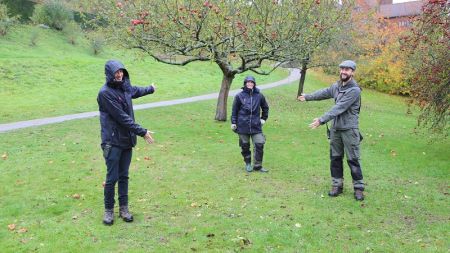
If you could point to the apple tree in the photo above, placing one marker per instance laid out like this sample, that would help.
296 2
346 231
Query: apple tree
237 35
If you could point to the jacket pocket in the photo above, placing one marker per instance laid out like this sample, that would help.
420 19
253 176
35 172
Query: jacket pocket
106 150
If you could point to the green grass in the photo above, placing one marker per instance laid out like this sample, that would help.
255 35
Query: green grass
189 191
55 78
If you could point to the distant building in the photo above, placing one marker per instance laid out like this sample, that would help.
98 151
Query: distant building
399 13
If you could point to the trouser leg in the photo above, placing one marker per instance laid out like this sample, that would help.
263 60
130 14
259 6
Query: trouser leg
351 141
244 143
124 166
258 142
112 159
336 158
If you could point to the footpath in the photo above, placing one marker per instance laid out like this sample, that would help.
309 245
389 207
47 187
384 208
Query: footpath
294 75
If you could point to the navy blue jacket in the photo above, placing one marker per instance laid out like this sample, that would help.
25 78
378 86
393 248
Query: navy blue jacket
116 108
249 107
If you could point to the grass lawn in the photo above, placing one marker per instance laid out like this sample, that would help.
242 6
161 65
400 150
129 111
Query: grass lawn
189 191
55 78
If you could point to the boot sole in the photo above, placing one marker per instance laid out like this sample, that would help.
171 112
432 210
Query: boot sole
334 195
108 223
126 220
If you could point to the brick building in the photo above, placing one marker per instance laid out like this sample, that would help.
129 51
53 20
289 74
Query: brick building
399 13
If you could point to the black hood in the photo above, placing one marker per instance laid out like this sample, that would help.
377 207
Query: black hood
250 78
111 67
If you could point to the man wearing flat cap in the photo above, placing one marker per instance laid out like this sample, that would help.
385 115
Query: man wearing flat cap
344 132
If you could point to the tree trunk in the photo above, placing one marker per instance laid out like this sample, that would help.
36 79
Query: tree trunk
301 83
221 109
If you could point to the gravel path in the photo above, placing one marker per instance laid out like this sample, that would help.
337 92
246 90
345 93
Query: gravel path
293 76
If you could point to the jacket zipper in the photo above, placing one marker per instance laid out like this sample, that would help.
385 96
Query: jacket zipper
251 110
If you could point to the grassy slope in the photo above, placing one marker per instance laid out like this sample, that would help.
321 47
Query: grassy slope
56 78
189 191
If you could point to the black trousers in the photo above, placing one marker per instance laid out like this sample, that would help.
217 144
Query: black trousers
118 164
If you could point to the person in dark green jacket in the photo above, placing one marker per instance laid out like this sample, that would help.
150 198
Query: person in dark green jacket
344 132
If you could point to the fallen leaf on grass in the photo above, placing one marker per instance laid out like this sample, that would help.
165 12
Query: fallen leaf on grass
4 156
76 196
147 158
393 153
244 242
23 230
12 227
298 225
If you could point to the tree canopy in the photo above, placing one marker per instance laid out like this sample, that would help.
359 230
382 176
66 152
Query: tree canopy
238 36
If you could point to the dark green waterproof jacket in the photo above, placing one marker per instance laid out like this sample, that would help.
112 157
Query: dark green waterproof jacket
345 113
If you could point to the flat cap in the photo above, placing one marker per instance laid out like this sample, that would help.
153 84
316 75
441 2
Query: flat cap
348 64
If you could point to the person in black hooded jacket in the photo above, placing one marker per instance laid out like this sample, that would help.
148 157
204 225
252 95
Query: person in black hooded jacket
250 112
118 134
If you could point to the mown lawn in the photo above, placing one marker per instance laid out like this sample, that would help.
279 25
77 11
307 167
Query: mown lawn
189 191
55 78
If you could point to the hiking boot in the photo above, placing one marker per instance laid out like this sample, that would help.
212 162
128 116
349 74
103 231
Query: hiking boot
261 169
125 214
248 167
335 191
108 217
359 195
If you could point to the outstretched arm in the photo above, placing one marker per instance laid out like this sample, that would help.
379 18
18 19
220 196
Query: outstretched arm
137 92
344 103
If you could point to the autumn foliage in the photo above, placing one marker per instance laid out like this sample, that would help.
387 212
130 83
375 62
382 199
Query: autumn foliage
427 48
237 36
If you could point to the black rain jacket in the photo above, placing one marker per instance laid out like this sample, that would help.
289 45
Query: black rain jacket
249 107
118 127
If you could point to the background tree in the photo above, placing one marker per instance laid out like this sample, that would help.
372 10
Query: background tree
373 42
427 47
318 33
6 21
21 8
238 36
54 13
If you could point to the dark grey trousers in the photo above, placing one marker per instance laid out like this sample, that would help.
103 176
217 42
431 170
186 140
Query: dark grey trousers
345 141
258 141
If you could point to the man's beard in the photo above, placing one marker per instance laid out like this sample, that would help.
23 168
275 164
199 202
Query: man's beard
346 78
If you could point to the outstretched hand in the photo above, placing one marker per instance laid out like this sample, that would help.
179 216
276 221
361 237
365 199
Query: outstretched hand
301 98
153 86
315 123
148 137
